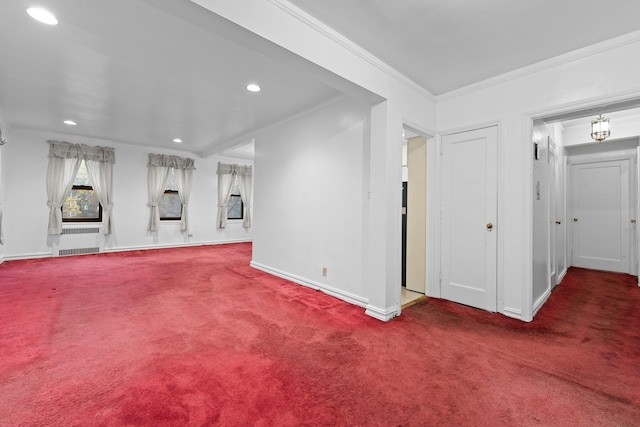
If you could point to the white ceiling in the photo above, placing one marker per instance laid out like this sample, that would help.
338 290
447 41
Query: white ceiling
147 71
127 71
447 44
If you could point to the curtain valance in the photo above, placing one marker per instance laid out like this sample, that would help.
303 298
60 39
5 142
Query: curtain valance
166 161
225 169
67 150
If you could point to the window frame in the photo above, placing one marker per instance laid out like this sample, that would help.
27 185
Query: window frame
72 220
241 217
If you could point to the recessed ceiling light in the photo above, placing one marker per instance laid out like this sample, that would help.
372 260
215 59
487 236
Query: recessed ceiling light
177 141
69 122
42 15
253 87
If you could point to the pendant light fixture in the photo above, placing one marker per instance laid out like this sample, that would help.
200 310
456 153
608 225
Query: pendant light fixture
600 129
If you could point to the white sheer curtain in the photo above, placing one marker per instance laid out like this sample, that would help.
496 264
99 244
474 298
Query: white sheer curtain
64 162
158 169
226 177
245 181
100 175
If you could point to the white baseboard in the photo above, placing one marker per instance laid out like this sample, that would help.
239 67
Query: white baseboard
174 245
381 314
20 257
512 312
561 276
337 293
540 302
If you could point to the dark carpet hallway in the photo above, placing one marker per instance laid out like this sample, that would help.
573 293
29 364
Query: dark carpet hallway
195 337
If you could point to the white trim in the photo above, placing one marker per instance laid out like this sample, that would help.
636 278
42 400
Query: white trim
512 312
540 302
174 245
350 46
337 293
21 257
561 275
543 65
381 314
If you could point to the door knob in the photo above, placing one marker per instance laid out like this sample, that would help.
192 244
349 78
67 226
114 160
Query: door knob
575 219
633 221
558 222
489 226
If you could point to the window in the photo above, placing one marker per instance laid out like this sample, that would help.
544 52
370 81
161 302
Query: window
170 205
82 204
235 207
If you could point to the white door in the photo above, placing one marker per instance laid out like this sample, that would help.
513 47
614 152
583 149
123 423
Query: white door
560 222
600 223
469 215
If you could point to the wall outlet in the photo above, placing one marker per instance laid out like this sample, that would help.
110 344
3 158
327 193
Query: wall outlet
324 271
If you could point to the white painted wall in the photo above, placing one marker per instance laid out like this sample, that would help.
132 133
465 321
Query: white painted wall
26 213
310 197
608 74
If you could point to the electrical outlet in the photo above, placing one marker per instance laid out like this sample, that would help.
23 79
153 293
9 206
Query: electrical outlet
324 271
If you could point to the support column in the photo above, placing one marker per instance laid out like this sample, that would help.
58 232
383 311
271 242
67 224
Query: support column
382 250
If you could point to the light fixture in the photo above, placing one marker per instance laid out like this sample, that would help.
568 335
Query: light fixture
253 87
42 15
600 129
69 122
177 140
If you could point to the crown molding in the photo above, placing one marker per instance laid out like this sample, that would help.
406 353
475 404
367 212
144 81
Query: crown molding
347 44
557 61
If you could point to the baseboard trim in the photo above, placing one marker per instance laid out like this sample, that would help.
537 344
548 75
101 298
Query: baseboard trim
381 314
561 276
512 312
22 257
540 302
337 293
173 245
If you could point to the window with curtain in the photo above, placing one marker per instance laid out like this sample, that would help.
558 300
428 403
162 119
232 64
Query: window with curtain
160 170
170 205
230 177
82 203
235 207
65 161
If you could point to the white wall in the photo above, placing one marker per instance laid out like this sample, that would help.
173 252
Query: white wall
309 199
26 211
608 75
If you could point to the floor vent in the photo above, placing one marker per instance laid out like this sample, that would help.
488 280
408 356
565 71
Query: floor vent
78 251
85 230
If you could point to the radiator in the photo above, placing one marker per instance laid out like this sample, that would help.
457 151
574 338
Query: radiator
79 240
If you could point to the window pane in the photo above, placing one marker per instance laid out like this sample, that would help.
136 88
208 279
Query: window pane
81 205
235 208
82 177
170 206
171 182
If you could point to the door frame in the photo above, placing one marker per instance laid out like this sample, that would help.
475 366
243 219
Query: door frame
434 213
634 198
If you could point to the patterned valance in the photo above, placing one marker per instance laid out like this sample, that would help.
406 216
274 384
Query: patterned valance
166 161
225 169
67 150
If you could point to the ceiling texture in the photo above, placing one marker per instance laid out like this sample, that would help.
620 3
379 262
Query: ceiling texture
147 71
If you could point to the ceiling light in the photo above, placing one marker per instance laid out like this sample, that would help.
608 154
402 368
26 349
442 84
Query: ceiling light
177 140
253 87
69 122
42 15
600 129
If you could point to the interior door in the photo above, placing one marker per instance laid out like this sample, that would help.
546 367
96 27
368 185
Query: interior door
601 215
469 215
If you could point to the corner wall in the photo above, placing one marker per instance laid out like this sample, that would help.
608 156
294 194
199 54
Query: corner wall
309 200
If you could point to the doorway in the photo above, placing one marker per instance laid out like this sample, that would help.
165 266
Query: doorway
414 243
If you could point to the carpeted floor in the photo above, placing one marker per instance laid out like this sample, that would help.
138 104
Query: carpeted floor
194 337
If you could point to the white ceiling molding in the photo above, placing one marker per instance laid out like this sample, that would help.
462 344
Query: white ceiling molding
339 39
544 65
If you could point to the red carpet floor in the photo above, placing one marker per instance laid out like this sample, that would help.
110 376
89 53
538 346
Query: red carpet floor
195 337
